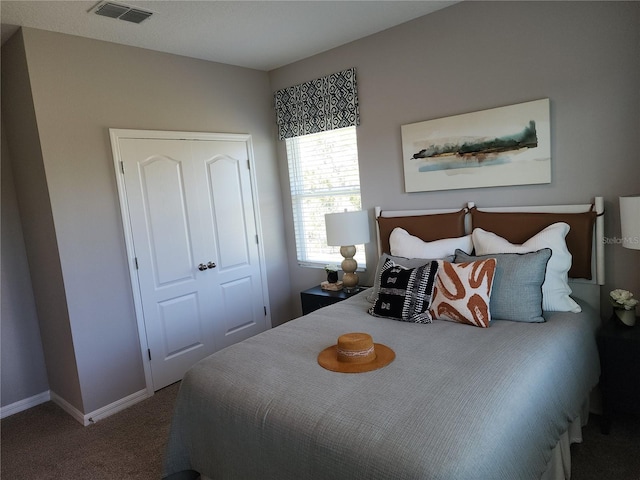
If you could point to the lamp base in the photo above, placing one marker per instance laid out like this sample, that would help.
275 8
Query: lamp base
349 265
350 282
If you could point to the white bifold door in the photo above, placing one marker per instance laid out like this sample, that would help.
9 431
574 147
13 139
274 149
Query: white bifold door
192 233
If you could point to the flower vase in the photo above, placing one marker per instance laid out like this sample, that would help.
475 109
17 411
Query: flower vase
332 277
628 317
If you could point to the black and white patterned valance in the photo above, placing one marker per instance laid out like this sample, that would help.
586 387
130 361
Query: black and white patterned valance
323 104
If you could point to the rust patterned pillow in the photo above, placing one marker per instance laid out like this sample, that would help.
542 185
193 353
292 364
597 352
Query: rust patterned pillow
463 291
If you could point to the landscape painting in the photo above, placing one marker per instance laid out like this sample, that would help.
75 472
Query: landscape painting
497 147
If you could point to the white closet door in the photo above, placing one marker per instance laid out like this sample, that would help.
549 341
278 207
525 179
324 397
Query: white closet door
194 233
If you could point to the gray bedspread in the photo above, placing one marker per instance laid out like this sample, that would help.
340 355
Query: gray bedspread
458 402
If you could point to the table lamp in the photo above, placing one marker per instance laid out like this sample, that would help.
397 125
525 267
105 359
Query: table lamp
346 230
630 221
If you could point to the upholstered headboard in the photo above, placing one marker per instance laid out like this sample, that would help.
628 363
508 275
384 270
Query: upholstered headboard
426 227
585 240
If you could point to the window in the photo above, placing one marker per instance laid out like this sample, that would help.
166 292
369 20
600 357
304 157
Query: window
324 178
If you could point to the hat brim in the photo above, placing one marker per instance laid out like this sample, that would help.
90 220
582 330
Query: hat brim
328 358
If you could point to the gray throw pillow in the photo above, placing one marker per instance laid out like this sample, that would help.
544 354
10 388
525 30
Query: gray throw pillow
405 262
517 284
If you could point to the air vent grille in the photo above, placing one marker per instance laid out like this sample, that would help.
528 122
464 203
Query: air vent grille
135 16
122 12
111 10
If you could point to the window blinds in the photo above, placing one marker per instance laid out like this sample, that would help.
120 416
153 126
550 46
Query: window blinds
324 178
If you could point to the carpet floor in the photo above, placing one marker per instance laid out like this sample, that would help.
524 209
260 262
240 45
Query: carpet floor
45 443
615 456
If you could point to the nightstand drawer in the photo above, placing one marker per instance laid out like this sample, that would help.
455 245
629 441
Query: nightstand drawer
316 298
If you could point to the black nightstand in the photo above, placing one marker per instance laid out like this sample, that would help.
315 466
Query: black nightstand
619 348
315 298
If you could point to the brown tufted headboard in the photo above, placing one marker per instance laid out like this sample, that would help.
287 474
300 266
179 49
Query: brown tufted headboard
585 240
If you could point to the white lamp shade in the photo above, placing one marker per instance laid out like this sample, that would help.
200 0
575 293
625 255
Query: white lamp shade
347 228
630 221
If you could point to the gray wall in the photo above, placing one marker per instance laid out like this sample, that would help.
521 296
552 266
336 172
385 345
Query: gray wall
583 56
80 88
21 130
23 369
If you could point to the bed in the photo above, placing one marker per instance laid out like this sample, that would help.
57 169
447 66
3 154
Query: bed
459 401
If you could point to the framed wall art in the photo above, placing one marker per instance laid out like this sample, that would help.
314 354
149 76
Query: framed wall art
502 146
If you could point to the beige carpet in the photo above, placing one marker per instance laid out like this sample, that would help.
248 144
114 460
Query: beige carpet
615 456
46 443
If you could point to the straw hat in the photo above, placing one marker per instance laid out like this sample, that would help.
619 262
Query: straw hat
355 353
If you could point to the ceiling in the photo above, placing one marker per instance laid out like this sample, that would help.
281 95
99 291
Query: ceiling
256 34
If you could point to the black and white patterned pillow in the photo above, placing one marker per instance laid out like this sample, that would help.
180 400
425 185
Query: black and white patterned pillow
405 293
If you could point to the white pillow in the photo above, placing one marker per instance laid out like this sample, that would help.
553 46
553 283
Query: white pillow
555 289
403 244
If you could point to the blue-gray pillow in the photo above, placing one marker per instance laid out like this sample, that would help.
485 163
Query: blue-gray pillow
517 284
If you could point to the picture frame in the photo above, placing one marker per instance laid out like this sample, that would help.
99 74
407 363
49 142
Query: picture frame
501 146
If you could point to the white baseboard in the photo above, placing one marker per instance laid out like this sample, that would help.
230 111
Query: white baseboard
24 404
115 407
84 419
67 407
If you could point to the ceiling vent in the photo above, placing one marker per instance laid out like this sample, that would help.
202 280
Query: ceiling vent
122 12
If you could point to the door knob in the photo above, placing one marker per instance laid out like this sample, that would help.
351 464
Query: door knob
211 265
202 267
